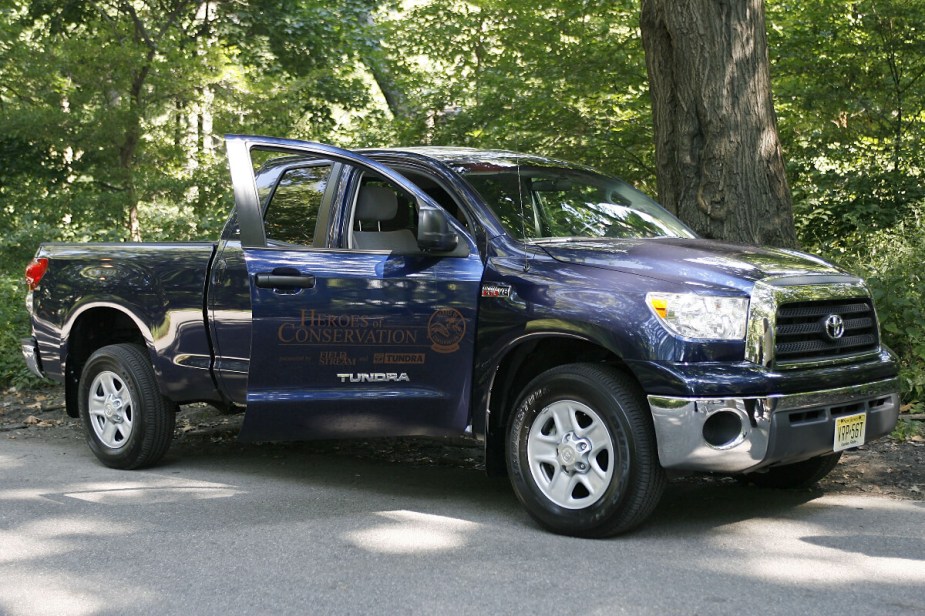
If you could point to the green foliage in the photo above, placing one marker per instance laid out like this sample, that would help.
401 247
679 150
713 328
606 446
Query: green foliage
849 82
909 430
113 110
96 95
891 261
564 78
13 370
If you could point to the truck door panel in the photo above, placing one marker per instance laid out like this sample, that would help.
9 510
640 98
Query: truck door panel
355 354
378 344
229 301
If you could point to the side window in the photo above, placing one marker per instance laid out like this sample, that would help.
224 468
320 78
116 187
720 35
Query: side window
439 194
291 216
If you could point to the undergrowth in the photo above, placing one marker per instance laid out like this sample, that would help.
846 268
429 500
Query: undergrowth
891 260
14 325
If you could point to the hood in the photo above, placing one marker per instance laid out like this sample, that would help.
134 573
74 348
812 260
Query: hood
689 261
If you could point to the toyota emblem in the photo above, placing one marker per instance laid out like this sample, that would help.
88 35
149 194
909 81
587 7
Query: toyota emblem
834 326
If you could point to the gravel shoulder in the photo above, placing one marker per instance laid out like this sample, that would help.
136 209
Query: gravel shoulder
890 467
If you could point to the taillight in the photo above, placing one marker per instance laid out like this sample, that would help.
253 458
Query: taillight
34 272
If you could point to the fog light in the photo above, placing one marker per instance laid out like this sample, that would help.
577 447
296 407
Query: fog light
723 429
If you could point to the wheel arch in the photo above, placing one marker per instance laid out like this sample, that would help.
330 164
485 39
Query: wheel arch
528 357
91 327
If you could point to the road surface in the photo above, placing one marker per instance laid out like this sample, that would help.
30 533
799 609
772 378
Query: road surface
282 530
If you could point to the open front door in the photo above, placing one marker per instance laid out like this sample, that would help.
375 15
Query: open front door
348 340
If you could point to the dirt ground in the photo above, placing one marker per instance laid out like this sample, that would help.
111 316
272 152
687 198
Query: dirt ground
892 467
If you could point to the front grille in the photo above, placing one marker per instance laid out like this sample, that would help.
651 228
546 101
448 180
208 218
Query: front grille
801 330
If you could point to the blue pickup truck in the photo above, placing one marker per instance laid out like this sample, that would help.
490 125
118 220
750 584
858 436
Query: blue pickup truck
583 333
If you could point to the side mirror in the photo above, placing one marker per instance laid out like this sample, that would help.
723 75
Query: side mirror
434 232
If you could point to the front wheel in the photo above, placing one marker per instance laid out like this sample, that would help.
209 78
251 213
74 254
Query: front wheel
129 423
581 452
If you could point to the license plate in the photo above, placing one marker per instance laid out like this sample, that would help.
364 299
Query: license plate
849 431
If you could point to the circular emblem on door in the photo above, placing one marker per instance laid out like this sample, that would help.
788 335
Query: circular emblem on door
834 326
446 329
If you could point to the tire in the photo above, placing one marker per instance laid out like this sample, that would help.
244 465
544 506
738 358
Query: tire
129 423
798 475
586 425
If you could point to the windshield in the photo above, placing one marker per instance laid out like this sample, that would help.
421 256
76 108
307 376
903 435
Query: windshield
535 203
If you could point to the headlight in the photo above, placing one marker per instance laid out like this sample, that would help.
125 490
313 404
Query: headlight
700 316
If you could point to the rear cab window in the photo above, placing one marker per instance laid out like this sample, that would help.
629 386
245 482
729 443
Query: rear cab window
291 216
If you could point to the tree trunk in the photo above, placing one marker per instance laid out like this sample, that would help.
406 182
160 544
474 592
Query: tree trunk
126 165
375 60
394 97
127 151
718 155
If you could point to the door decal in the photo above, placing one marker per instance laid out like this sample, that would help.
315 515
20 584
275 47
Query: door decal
446 328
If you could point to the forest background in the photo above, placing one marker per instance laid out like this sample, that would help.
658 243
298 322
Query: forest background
112 115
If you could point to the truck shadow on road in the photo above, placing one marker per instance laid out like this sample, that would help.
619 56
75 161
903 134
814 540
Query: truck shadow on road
440 476
694 503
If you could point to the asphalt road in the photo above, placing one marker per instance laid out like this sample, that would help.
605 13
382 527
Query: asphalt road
283 531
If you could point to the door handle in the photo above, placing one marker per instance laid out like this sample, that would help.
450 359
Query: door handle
285 281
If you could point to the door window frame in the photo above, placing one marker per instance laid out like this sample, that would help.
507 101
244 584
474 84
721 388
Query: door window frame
243 179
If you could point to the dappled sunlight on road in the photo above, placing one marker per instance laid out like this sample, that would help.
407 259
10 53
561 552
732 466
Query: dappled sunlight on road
32 584
50 536
34 587
409 532
149 496
791 551
284 530
151 490
9 463
152 495
65 595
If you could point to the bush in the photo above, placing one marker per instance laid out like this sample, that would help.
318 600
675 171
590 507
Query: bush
13 372
892 262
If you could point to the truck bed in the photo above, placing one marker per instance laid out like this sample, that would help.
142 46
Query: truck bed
94 291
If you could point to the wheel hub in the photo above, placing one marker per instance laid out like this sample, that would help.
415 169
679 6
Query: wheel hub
113 408
573 453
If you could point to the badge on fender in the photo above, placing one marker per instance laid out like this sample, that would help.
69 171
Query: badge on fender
495 289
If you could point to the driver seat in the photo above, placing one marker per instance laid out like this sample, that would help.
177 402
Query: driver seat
375 205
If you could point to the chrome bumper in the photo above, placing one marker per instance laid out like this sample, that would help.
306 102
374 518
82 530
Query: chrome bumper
740 434
30 354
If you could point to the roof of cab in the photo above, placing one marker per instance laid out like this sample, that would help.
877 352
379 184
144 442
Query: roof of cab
472 159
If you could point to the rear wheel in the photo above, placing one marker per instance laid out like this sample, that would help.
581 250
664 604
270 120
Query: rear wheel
129 423
581 452
798 475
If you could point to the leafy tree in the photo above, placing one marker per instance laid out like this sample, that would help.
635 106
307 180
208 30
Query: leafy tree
112 87
560 78
850 84
121 104
305 61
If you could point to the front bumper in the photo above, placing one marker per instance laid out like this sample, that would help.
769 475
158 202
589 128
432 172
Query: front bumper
30 353
745 434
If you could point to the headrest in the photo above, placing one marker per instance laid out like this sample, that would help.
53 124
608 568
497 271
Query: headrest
376 203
